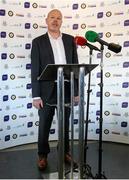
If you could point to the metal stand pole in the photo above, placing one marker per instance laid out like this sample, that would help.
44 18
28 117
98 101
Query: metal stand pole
72 169
87 168
100 175
81 121
72 120
60 114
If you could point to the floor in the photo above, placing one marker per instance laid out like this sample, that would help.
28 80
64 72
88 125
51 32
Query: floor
20 162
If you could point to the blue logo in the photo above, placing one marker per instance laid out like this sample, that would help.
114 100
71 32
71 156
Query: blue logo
98 75
27 46
2 12
100 15
98 113
125 85
29 124
28 86
4 56
126 23
27 25
126 64
4 77
7 137
26 4
126 2
75 26
28 66
52 131
97 131
5 98
124 124
99 55
100 35
3 34
29 105
6 118
126 44
124 104
98 94
75 6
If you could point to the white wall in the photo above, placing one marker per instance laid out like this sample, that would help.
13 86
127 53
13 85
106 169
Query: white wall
20 22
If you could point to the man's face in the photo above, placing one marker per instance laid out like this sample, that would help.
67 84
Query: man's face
54 21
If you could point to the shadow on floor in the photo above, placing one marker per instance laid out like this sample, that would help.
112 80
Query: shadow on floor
21 164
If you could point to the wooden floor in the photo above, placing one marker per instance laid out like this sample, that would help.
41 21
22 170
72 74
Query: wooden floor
20 162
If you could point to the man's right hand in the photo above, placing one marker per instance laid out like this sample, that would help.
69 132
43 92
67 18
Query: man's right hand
38 103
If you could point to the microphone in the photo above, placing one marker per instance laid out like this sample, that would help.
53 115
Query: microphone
81 41
93 37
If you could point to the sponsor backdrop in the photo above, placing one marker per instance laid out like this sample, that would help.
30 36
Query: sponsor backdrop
20 22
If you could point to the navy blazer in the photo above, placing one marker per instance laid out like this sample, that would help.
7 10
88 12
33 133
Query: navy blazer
41 56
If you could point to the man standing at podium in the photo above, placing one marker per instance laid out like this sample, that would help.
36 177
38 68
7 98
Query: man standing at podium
53 47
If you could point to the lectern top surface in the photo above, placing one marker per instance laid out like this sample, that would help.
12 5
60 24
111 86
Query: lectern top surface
50 72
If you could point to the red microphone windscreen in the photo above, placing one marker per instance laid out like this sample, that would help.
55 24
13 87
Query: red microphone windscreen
81 41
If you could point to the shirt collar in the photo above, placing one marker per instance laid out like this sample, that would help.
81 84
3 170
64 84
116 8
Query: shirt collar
49 35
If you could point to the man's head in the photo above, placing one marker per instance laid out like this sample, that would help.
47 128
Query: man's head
54 21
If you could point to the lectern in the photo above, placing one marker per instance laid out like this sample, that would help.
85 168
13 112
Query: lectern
60 73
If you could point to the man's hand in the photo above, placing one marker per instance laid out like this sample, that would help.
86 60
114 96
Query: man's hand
38 103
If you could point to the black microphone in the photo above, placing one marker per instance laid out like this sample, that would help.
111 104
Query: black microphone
93 37
81 41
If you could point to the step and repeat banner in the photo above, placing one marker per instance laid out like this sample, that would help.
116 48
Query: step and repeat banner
23 20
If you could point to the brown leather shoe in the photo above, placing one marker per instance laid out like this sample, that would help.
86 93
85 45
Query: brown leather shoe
68 160
42 163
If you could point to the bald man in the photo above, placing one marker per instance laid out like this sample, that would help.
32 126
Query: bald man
53 47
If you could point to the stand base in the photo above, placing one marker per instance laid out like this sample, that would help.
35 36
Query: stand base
100 176
54 175
87 174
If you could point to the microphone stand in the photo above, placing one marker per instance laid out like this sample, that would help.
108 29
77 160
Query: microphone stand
100 175
87 169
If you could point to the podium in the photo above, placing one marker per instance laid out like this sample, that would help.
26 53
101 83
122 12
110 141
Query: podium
60 73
